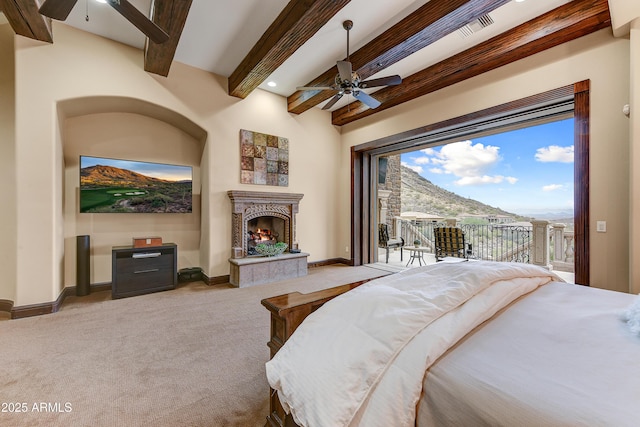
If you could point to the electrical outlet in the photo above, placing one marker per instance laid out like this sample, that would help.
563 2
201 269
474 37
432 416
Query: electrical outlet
346 249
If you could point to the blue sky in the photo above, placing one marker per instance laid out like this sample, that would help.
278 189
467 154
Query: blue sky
522 171
154 170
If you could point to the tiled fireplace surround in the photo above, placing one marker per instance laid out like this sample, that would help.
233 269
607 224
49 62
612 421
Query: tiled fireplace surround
246 207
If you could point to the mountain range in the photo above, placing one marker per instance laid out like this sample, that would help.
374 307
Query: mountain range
421 195
109 175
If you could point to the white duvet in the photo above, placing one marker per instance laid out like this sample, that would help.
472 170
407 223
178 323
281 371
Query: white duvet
360 359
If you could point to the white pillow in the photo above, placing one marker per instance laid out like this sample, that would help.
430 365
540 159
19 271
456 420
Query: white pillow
632 316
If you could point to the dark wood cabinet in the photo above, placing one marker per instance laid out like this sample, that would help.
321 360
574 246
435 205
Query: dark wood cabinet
137 271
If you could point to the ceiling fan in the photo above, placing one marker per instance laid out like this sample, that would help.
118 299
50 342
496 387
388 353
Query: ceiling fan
348 82
60 9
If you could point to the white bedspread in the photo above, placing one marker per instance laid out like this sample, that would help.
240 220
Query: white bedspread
345 365
559 357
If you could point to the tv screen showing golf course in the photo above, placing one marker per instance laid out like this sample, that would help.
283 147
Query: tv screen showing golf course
128 186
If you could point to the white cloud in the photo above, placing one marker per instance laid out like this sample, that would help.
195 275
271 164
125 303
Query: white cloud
467 161
463 159
555 153
552 187
485 179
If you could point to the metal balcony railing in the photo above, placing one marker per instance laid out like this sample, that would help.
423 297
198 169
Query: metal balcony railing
501 242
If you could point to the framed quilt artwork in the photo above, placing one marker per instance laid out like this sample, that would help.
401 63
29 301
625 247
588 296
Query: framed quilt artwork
264 159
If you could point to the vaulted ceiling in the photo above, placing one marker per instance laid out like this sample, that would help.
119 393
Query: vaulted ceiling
430 44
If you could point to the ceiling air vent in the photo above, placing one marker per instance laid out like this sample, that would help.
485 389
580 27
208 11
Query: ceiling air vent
475 26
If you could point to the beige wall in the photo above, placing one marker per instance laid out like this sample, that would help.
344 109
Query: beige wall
634 253
623 12
80 65
7 165
598 57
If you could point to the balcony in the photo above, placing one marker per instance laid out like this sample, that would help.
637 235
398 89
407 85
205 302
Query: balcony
537 242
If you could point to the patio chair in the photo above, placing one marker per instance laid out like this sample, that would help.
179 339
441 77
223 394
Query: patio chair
384 241
450 242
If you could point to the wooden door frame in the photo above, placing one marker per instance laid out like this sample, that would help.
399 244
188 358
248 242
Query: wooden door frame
363 200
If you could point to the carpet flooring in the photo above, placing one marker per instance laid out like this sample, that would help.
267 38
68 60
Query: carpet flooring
193 356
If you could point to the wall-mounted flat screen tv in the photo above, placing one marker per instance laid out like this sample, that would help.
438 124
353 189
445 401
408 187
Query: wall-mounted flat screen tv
114 186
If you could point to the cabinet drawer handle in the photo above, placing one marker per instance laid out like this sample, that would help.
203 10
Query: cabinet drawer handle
146 255
146 271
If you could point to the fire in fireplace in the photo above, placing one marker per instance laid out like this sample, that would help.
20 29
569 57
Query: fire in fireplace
264 229
261 235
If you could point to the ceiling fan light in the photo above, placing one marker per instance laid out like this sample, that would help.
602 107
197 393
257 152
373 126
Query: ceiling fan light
349 82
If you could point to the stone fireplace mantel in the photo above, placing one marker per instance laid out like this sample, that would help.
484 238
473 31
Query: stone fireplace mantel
247 207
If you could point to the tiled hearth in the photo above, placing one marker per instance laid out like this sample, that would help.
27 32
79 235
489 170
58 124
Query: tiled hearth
251 211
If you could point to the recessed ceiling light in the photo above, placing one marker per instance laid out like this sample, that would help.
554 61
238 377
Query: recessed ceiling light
272 84
101 1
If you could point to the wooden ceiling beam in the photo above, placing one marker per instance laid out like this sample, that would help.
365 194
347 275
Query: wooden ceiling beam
24 18
170 15
296 24
565 23
426 25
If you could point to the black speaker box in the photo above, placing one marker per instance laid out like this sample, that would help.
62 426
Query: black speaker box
83 286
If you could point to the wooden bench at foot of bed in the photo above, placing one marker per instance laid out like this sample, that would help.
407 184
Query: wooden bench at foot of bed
287 313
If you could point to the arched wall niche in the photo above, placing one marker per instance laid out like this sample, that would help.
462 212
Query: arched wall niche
119 104
129 129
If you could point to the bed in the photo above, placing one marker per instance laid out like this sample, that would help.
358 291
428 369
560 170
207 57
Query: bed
468 343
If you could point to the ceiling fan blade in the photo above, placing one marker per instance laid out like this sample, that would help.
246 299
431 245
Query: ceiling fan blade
333 101
345 70
382 81
315 88
366 99
137 18
57 9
